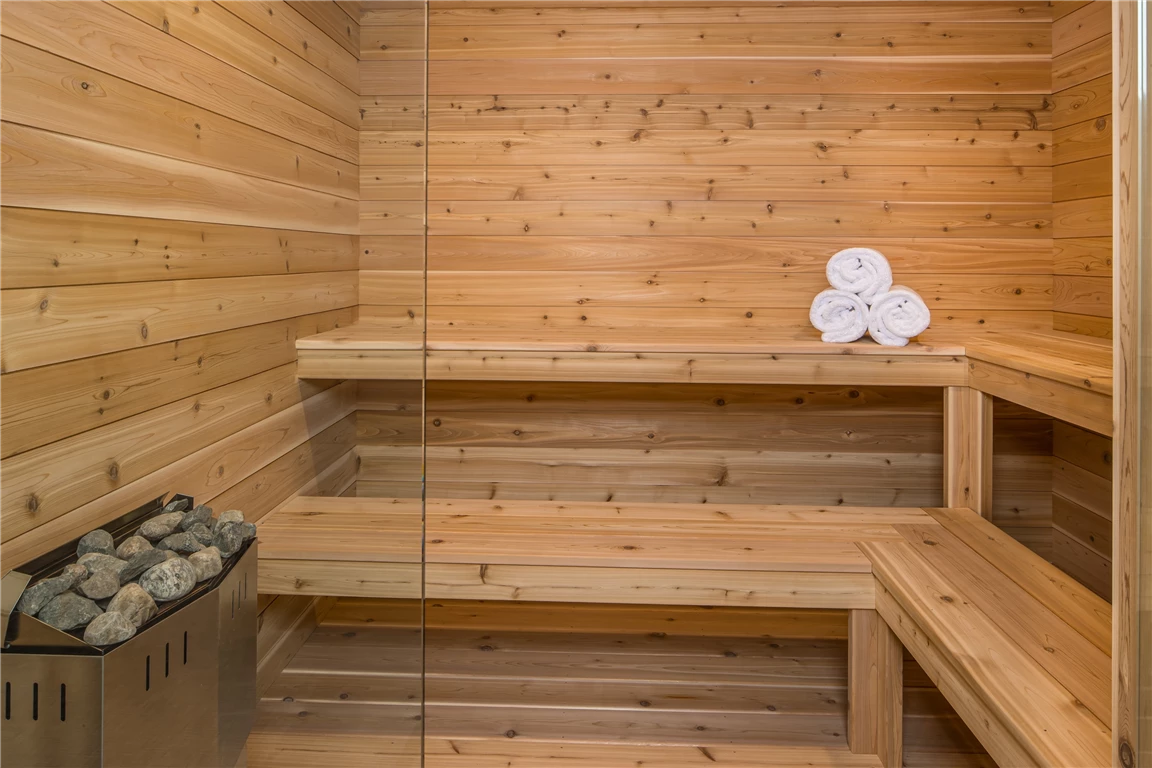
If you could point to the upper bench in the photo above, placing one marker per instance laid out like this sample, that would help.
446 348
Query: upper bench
1060 374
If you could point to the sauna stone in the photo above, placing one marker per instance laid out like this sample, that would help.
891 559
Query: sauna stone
131 546
202 533
134 603
101 585
38 595
207 563
160 526
109 628
200 515
170 580
228 539
231 516
95 561
248 530
140 562
69 611
184 543
178 505
96 541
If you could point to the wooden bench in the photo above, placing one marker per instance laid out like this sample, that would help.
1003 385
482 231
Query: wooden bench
654 554
342 547
1060 374
1021 650
670 554
371 351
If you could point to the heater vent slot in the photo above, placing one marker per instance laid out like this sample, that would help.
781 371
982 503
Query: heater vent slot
7 701
147 673
63 702
35 701
185 646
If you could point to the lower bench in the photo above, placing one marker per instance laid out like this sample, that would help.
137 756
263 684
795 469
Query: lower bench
1019 649
657 554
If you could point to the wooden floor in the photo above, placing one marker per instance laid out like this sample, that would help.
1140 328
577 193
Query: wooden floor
527 684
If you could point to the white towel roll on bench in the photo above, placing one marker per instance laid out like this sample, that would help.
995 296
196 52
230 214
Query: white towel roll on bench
861 271
897 316
840 316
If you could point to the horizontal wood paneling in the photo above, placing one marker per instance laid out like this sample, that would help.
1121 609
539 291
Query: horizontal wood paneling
205 473
1082 174
44 483
51 325
750 147
749 138
287 26
393 215
561 40
208 27
1082 506
105 38
721 76
46 248
488 14
763 111
682 289
56 94
181 188
719 218
659 442
53 402
715 254
64 173
715 183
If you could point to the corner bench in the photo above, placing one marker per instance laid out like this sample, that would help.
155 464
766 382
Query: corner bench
1059 374
1020 649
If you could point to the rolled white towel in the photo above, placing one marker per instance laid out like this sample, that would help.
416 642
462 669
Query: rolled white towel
862 271
897 316
841 316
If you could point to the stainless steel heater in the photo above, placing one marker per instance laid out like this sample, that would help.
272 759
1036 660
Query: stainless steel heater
181 692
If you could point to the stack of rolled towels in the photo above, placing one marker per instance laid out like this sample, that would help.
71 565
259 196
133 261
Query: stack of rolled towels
863 300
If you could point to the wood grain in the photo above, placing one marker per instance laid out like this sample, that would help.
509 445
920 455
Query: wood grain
104 38
49 92
47 248
57 172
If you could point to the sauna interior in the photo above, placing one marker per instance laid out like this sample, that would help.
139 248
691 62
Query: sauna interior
494 316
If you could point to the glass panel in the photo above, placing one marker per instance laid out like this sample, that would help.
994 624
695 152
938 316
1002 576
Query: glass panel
383 636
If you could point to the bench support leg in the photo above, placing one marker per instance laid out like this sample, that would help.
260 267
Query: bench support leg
875 689
968 449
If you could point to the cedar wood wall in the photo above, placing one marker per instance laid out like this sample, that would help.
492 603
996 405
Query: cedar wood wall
180 187
156 231
577 184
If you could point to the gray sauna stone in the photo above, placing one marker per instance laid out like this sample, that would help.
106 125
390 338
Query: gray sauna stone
38 595
96 541
69 611
101 585
207 563
140 562
185 543
170 580
136 604
160 526
132 546
108 628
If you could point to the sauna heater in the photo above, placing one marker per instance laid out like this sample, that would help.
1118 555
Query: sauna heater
180 692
